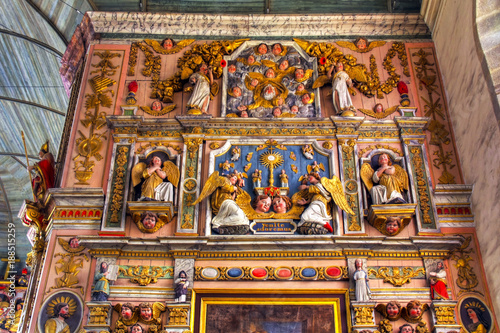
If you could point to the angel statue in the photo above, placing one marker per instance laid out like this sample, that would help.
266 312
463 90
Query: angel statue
229 217
321 191
392 180
154 187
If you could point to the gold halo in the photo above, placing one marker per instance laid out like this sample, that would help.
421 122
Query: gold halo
68 300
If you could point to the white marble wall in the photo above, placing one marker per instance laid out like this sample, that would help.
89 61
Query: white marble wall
476 129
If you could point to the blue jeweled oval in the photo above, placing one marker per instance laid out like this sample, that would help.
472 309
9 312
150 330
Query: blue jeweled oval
308 272
234 272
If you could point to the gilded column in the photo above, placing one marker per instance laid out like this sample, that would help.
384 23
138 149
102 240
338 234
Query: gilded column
347 136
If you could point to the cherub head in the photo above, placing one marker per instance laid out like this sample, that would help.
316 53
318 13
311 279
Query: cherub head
294 109
277 49
393 309
406 328
270 74
168 43
231 68
146 311
414 309
378 108
262 49
74 242
136 328
392 225
299 73
203 69
284 65
127 310
261 203
306 99
149 220
236 92
276 112
361 43
339 66
250 59
156 106
281 204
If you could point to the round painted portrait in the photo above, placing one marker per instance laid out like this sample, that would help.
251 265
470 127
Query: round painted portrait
61 311
475 315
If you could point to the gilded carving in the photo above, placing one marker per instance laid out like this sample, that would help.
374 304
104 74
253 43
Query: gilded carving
270 131
161 133
149 221
363 315
193 146
396 277
327 145
164 110
70 264
142 148
422 185
118 184
89 146
188 221
380 114
144 275
384 326
214 145
445 315
125 130
378 134
467 279
177 316
361 45
98 314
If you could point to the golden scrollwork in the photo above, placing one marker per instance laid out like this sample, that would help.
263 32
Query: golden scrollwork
144 275
422 186
132 60
98 314
379 146
327 145
166 109
70 264
384 326
467 279
89 146
118 184
177 316
188 221
363 315
125 130
190 171
214 145
193 144
378 134
421 327
445 315
270 131
396 278
161 133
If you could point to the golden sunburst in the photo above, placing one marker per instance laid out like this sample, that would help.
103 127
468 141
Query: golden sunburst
68 300
271 159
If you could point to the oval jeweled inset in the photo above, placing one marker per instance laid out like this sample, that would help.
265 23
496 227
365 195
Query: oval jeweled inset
283 273
333 272
234 272
259 273
209 273
308 273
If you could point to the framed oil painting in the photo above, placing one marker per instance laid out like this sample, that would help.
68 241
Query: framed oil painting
270 312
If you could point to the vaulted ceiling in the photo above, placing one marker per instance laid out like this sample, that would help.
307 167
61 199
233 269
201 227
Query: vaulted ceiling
33 37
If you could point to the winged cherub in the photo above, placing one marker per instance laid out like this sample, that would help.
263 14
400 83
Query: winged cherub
392 180
321 191
154 187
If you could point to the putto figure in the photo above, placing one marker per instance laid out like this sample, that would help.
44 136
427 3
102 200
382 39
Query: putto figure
153 178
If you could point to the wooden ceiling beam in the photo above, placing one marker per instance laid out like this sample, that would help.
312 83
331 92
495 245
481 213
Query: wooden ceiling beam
47 19
32 40
16 100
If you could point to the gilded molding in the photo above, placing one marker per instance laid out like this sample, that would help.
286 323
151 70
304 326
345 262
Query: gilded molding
270 131
445 315
161 133
98 314
377 134
144 147
144 275
349 178
177 316
396 278
77 213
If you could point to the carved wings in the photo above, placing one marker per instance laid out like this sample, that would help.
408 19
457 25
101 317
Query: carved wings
165 110
351 46
137 171
366 175
178 46
382 309
387 112
230 46
135 315
321 81
401 176
158 308
212 183
406 315
334 186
